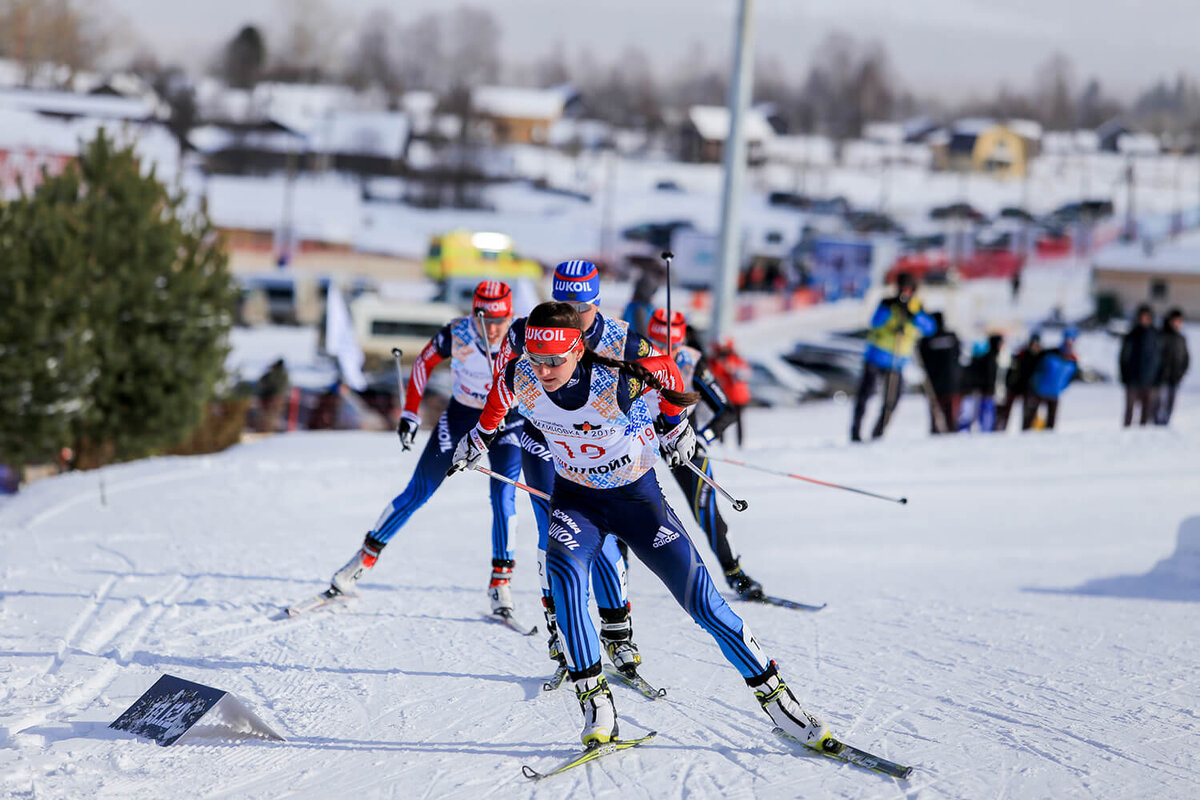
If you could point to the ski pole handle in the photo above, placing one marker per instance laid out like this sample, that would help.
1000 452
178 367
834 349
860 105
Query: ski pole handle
738 505
901 500
511 482
398 354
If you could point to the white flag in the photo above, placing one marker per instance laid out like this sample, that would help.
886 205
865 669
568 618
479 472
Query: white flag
340 340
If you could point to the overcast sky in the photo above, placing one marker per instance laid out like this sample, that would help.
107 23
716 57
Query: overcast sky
945 48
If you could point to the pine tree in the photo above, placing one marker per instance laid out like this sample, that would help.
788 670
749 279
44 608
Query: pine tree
132 289
44 332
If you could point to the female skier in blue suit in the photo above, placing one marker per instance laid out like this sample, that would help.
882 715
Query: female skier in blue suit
605 421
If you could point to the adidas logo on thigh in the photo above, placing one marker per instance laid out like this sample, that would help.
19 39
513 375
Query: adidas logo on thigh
664 536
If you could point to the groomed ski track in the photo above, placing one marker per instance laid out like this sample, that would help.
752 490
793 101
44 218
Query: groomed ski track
1023 628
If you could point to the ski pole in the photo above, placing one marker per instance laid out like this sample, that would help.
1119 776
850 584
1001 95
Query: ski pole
901 500
510 481
738 505
398 354
667 255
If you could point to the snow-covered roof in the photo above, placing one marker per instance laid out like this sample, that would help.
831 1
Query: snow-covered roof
27 130
885 132
70 104
793 149
362 133
972 126
1138 144
215 138
1177 256
325 208
712 123
1025 128
589 133
1066 142
516 102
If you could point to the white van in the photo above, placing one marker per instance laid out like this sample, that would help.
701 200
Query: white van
381 324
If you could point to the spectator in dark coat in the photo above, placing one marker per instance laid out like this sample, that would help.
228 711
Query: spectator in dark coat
939 356
1139 362
1017 380
1173 367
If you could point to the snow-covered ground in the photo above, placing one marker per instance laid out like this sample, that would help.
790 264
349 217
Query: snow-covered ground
1024 627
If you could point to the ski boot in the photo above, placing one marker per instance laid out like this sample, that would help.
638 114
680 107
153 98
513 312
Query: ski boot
345 578
599 713
616 634
746 587
554 643
499 591
784 709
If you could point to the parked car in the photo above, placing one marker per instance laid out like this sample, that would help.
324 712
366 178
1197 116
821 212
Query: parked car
960 210
774 382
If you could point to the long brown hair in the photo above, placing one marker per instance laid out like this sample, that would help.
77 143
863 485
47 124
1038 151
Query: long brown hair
563 315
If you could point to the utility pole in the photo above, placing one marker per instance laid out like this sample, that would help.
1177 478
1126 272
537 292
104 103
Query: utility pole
740 85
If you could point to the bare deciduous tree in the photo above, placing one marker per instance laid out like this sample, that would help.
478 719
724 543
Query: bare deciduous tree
1052 92
371 61
37 33
309 45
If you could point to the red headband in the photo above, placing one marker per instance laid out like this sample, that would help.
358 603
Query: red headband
551 341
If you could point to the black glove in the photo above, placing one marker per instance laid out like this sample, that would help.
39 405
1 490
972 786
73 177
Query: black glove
406 429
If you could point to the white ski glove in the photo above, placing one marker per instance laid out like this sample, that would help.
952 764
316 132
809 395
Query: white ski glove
678 443
471 450
407 429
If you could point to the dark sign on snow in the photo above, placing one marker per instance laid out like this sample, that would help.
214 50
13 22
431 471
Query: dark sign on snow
172 706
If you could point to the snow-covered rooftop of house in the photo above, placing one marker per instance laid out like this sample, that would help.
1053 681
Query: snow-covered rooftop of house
1138 144
366 133
712 123
1066 142
1178 256
215 138
887 132
795 149
1025 128
517 102
77 105
21 129
325 208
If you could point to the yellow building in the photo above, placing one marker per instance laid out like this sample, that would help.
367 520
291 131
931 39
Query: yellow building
1003 149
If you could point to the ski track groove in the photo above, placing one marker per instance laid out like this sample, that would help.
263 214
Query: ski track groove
91 687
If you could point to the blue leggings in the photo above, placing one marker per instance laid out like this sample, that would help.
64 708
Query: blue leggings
504 457
582 519
608 571
703 501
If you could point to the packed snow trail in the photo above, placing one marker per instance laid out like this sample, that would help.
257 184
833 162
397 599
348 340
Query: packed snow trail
1022 628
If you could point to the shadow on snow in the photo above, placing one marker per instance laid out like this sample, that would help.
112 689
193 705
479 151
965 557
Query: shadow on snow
1176 577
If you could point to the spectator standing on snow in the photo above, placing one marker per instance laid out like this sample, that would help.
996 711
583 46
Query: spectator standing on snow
1017 380
733 375
939 356
272 391
895 326
981 383
1052 373
1139 363
1173 366
641 304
